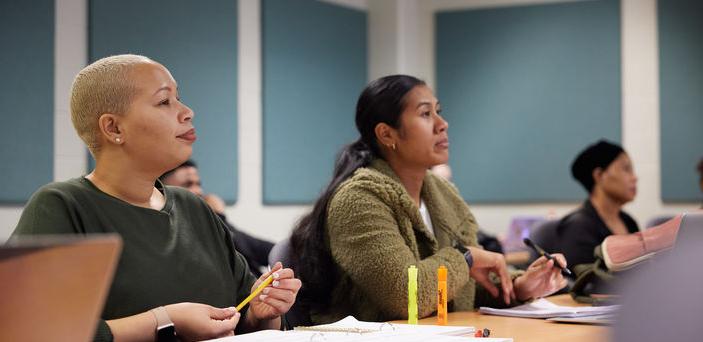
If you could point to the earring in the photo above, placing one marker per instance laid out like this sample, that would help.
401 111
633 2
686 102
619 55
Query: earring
118 140
393 146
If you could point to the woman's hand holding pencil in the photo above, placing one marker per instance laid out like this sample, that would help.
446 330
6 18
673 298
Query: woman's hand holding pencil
273 294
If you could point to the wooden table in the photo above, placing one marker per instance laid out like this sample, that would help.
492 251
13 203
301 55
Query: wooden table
529 329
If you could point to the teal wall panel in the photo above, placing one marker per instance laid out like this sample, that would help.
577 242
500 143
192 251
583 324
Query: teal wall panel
197 42
681 97
524 89
314 64
26 97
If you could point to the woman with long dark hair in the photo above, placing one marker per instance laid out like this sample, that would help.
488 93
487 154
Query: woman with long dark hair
384 211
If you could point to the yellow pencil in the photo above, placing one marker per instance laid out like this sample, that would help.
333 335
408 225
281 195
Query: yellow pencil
255 292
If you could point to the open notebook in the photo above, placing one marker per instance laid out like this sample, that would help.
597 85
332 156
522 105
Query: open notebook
351 324
542 308
350 329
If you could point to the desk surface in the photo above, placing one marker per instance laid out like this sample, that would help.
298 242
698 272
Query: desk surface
529 329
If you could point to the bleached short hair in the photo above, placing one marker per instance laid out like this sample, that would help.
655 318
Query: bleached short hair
105 86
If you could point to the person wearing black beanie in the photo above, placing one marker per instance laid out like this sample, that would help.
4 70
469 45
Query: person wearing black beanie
700 171
605 170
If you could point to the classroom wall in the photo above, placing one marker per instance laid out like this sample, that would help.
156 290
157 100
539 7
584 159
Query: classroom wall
524 90
407 46
681 71
25 90
308 74
200 53
639 114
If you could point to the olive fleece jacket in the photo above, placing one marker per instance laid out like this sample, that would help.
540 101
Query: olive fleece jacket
375 232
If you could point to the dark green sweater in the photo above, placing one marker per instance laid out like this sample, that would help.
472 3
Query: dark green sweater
181 253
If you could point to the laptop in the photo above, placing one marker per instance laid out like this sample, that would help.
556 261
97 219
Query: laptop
690 229
664 302
53 288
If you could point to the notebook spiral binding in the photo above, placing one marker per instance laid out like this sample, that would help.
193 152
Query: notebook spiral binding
321 329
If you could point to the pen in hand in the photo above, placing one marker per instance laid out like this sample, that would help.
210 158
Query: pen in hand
541 252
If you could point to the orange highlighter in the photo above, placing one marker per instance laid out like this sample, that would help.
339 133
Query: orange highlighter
442 295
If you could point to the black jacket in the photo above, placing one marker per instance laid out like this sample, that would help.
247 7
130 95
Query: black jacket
581 231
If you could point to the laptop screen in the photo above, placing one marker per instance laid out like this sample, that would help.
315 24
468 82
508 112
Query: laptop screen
520 228
53 287
691 229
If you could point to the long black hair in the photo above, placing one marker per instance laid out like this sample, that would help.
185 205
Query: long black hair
382 101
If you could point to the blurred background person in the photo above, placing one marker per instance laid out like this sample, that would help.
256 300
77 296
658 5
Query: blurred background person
605 170
254 250
700 172
443 170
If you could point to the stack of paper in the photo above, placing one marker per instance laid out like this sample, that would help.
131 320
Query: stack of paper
604 319
543 308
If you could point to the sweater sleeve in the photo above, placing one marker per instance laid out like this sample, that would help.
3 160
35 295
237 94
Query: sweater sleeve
47 212
103 332
367 244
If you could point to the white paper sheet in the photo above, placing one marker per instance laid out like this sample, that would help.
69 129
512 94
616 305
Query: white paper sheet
543 308
310 336
350 329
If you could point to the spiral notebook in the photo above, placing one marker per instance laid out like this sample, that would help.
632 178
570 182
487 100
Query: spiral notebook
351 324
350 329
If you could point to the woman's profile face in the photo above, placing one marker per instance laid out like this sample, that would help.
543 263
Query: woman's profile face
157 129
619 180
423 139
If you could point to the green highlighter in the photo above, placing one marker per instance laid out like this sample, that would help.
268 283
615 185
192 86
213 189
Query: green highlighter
412 294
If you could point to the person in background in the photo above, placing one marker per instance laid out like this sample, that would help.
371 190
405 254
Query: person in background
488 242
443 170
605 170
254 250
700 172
178 263
384 211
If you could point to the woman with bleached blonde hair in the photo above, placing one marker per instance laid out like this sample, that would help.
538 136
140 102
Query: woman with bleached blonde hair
179 275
